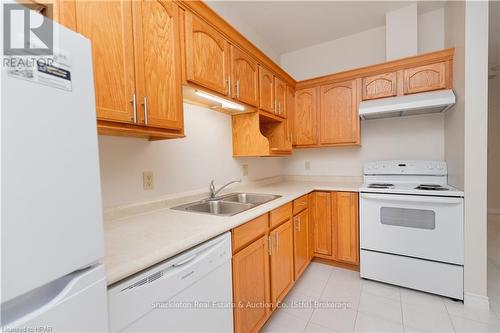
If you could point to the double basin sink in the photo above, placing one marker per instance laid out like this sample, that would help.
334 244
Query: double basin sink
228 205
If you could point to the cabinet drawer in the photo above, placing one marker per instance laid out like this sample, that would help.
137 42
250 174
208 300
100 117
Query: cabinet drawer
280 214
299 204
245 233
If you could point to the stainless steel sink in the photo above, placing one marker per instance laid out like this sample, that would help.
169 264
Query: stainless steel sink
254 199
219 207
227 205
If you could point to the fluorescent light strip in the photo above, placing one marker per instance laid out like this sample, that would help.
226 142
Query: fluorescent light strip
225 103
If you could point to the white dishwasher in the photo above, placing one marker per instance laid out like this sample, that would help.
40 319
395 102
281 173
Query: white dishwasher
191 292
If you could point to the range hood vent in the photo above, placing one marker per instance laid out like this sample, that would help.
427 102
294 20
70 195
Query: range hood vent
408 105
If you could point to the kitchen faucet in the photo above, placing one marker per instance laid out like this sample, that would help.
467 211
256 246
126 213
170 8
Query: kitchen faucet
213 192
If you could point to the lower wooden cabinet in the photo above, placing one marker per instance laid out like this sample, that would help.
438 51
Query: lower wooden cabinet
273 250
282 270
345 227
336 231
251 287
322 221
301 242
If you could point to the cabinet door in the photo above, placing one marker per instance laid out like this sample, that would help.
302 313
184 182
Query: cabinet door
304 118
425 78
310 199
158 63
378 86
251 286
322 221
245 77
207 55
301 240
108 24
339 120
282 270
280 97
290 110
266 90
345 225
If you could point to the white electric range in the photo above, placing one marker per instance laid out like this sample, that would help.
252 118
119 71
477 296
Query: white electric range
411 226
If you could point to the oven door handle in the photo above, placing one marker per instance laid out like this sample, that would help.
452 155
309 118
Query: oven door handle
411 198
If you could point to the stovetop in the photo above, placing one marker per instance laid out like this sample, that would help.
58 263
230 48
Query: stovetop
428 189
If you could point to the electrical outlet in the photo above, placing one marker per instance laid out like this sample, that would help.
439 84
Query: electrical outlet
148 180
307 165
244 167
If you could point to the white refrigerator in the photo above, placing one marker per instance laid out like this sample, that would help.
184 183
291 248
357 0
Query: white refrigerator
51 227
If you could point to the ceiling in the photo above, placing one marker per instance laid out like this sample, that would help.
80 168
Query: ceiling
292 25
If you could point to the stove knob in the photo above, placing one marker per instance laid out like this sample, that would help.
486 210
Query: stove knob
430 166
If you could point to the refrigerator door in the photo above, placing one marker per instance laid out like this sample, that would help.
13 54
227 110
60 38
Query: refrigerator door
74 303
51 198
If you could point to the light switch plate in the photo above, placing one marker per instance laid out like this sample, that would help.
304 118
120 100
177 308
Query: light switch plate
148 180
307 165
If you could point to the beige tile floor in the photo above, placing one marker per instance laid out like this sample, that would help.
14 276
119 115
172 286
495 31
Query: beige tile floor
351 304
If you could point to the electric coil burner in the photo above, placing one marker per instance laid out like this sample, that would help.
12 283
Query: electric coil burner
380 185
431 187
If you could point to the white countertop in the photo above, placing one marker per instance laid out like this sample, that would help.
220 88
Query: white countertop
137 242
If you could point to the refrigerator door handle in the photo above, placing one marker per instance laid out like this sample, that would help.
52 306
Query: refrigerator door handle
23 308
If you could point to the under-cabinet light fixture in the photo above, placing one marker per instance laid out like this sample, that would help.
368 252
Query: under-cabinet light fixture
224 103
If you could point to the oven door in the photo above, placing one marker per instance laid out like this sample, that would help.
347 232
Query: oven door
416 226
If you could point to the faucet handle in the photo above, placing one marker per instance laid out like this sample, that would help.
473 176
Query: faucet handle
212 188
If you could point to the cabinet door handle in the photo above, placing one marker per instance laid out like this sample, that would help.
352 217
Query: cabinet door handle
145 110
228 82
270 245
134 103
237 88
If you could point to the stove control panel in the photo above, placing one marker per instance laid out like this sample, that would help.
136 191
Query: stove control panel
406 167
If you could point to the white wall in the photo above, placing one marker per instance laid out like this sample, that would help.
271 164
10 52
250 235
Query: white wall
410 137
401 32
236 21
476 145
466 29
455 118
494 146
494 113
178 165
358 50
431 31
418 137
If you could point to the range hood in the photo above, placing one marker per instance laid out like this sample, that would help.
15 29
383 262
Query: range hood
428 102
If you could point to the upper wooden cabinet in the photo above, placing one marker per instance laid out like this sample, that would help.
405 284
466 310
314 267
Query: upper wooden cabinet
158 63
290 107
207 55
345 227
109 25
305 117
266 90
381 85
425 78
137 65
245 77
280 96
339 120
